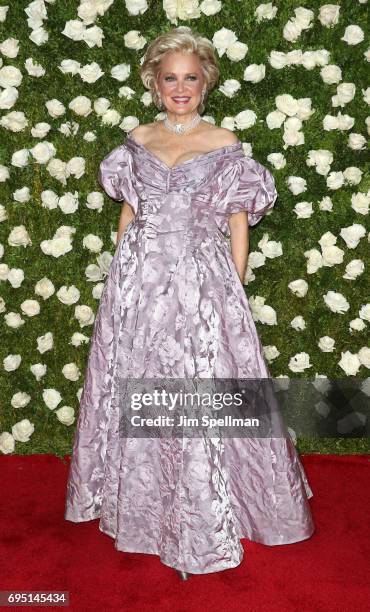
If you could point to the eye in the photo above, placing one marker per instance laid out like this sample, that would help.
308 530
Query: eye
192 77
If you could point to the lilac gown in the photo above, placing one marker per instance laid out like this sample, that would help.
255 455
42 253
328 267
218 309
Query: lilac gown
173 306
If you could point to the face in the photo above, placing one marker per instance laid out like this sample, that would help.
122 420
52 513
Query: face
180 76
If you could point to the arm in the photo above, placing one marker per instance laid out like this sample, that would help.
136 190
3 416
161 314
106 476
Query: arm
126 216
239 235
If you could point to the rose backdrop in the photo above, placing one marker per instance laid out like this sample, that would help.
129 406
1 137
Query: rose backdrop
294 87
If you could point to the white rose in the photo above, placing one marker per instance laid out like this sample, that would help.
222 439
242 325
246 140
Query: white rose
230 87
345 93
245 119
300 362
271 248
327 239
326 344
11 362
330 123
111 117
360 203
299 287
352 175
41 129
38 370
43 152
278 60
345 122
354 269
326 204
19 236
65 415
236 51
49 199
353 35
69 66
81 105
336 302
364 356
296 184
30 307
275 119
7 443
15 277
20 158
350 363
294 57
20 399
304 111
121 72
98 291
352 234
335 180
292 138
23 430
357 325
15 121
93 243
254 73
74 29
223 39
90 73
331 74
277 160
76 167
84 315
314 260
95 200
77 339
44 288
210 7
71 372
134 40
329 15
10 76
304 17
69 295
8 97
101 105
298 323
4 271
271 353
52 398
303 210
10 47
68 203
267 315
45 342
332 255
287 104
364 312
13 319
356 142
292 30
22 195
56 247
129 123
93 273
265 11
105 260
55 108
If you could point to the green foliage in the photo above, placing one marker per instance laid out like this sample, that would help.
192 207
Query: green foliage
296 235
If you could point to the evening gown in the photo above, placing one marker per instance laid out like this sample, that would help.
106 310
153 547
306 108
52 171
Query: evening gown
173 306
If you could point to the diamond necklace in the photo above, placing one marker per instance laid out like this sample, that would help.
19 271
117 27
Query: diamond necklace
180 128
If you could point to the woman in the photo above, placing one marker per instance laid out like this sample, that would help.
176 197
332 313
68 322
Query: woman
173 306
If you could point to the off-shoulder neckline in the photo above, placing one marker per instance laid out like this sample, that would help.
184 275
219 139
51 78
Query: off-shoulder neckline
234 146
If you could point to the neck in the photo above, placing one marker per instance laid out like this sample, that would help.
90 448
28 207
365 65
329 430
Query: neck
178 118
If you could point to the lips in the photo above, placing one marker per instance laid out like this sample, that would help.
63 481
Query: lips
179 100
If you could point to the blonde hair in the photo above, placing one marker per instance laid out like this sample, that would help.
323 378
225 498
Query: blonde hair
182 39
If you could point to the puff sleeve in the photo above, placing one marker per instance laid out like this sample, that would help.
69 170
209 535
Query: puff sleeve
248 186
115 175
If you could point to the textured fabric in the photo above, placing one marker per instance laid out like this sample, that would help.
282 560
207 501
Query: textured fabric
173 306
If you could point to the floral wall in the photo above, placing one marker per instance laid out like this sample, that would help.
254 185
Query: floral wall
294 87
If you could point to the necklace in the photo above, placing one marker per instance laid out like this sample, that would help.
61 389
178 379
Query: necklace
181 128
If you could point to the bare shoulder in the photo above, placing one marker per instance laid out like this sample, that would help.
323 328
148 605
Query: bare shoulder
142 132
222 137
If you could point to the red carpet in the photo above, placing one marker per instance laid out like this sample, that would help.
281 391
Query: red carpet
42 551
